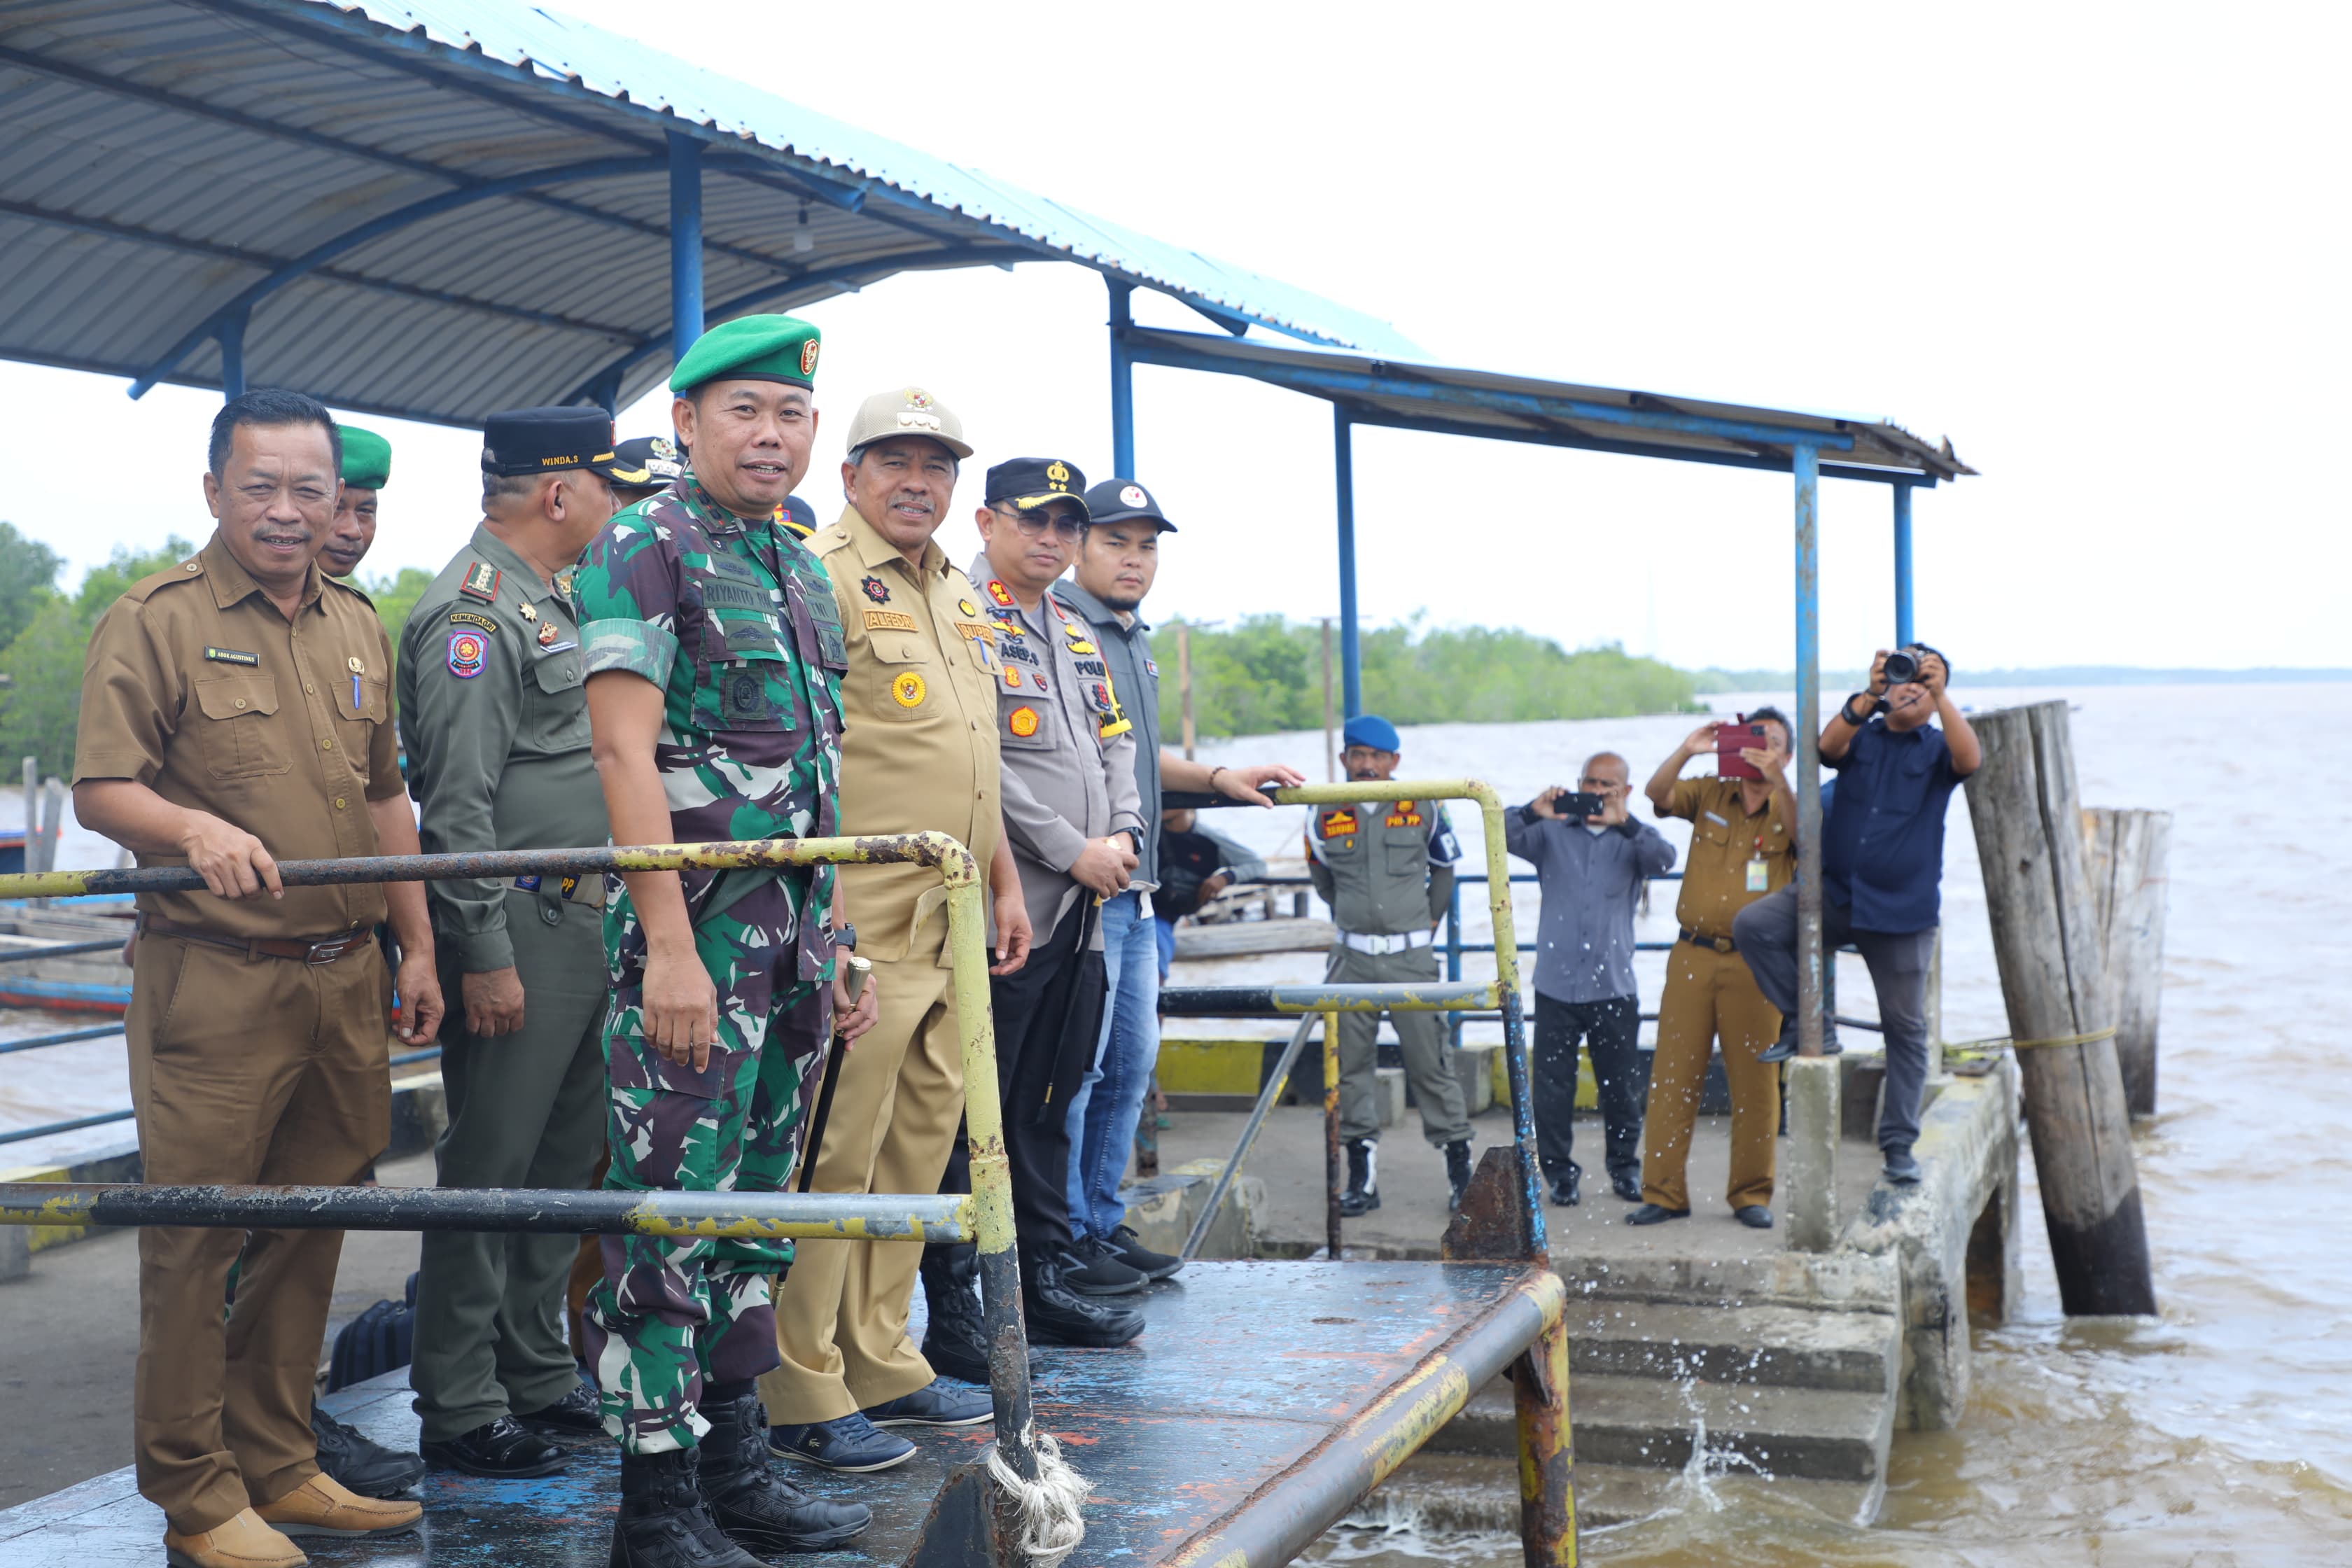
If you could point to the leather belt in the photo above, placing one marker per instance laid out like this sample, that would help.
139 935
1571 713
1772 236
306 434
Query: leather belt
585 890
1403 942
1720 943
295 949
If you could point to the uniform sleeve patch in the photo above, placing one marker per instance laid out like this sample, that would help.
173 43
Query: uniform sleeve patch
890 621
468 649
481 581
468 619
639 648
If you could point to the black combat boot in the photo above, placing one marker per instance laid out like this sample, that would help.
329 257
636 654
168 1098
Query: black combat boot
1363 1194
663 1522
1457 1174
1059 1315
755 1506
956 1341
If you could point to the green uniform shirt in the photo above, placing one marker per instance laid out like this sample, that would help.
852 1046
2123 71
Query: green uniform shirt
495 718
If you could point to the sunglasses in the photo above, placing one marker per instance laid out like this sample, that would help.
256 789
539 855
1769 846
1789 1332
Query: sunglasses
1032 525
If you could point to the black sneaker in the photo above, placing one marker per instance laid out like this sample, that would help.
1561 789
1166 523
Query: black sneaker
578 1412
1901 1168
1567 1191
1092 1269
1058 1316
1782 1050
943 1401
849 1443
358 1462
1152 1266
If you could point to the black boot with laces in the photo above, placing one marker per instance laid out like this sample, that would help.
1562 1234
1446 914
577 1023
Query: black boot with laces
663 1522
1363 1191
754 1505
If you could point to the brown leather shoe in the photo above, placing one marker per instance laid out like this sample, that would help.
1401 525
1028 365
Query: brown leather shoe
324 1505
245 1542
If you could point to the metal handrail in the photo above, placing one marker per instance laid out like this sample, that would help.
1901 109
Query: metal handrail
984 1215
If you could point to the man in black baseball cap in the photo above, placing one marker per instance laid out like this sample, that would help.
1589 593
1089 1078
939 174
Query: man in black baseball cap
522 441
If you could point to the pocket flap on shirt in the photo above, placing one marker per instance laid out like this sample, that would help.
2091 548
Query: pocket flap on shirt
234 696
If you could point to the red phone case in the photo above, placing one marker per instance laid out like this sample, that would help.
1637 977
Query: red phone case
1731 740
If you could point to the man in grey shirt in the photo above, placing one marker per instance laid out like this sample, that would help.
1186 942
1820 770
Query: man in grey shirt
1592 871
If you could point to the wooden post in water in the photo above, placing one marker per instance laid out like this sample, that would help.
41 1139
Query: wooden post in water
2124 855
2053 976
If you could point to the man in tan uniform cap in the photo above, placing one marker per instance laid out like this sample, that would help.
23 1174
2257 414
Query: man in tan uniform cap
233 710
919 752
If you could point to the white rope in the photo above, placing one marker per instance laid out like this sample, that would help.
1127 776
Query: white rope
1051 1523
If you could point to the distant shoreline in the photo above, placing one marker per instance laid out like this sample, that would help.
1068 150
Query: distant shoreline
1722 680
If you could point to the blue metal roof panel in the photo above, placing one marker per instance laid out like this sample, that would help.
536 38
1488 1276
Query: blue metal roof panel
559 48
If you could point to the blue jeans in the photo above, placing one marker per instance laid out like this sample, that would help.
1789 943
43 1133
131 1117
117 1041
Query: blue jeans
1103 1113
1167 935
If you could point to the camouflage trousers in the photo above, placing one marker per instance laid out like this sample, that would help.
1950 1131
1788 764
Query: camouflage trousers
673 1312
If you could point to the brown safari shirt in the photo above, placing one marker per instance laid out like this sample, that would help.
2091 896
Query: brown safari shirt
1723 839
918 739
197 686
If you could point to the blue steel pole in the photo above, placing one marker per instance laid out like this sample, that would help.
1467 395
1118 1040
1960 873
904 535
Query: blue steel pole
1351 663
1122 383
685 244
1807 720
1902 566
232 353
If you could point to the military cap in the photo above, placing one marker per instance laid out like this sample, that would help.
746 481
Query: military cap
906 411
1030 482
798 516
550 441
750 348
1124 501
1371 730
647 461
367 457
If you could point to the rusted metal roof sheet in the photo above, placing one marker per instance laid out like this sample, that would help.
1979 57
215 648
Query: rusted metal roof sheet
460 206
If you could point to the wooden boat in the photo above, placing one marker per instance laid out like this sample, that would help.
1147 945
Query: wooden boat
76 982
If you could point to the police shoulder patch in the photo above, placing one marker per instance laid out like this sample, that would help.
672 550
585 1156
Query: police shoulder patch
468 649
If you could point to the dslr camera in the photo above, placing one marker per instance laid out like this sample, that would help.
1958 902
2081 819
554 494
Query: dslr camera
1903 664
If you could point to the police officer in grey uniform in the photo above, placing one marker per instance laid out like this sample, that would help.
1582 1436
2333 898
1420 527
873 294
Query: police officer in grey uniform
1386 868
495 719
1074 817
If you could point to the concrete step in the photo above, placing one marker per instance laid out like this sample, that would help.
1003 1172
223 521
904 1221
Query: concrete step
1650 1423
1465 1492
1789 1347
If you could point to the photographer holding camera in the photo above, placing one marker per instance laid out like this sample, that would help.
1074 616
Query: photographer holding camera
1882 862
1593 861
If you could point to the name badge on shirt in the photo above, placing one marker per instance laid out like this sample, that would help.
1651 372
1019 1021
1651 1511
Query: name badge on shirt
1757 878
1719 822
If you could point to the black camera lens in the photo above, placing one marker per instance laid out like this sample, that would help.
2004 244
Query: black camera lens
1902 666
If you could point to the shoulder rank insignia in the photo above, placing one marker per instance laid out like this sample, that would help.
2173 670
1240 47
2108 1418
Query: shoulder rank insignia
874 588
481 581
466 650
998 593
468 618
232 656
1338 823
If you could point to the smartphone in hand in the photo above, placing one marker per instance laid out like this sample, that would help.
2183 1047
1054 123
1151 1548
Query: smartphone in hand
1731 740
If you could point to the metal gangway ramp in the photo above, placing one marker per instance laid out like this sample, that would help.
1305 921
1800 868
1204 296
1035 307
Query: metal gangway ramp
1263 1402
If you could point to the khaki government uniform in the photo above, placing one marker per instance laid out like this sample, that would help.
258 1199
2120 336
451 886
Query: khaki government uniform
246 1067
919 753
494 711
1386 868
1711 995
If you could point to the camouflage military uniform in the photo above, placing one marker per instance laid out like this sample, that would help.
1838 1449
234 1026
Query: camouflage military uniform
736 623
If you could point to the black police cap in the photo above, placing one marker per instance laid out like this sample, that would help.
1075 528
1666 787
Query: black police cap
1124 501
550 441
1028 483
647 461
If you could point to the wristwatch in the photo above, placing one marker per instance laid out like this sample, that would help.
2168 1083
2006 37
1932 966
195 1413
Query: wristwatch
847 936
1845 710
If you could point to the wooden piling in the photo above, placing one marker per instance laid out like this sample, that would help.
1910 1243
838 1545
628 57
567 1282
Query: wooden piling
2053 976
2124 855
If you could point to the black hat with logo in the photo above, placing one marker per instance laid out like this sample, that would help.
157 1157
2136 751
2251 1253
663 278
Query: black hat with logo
1124 501
550 441
1028 483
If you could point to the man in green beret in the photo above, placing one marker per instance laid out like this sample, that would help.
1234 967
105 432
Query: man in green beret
713 650
367 467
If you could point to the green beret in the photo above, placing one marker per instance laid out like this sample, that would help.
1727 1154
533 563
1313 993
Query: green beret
367 458
750 348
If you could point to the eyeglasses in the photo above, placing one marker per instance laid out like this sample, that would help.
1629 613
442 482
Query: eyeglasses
1033 524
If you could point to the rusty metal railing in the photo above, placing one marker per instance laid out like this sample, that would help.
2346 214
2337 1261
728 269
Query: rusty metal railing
984 1215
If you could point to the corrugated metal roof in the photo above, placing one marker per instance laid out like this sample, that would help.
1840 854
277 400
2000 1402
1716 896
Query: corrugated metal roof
1455 401
501 170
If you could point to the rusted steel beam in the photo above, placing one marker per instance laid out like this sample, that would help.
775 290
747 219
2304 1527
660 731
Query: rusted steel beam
1282 1518
1284 1001
1547 1458
734 1216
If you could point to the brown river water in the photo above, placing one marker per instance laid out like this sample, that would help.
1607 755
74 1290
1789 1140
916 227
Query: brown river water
2218 1431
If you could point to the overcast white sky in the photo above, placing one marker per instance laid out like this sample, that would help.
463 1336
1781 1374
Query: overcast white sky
2102 248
